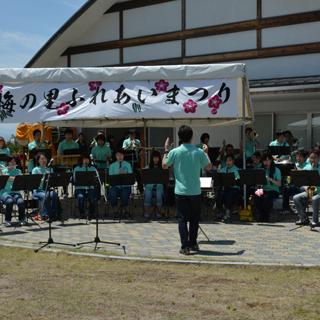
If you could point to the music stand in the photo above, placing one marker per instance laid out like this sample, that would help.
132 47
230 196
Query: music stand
122 180
213 153
279 150
253 177
26 183
206 186
53 180
35 151
285 168
155 176
2 156
87 178
305 178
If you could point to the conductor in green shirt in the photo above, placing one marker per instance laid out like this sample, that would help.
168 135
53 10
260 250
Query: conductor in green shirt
187 161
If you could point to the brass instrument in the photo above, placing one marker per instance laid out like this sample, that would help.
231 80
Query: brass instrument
312 190
295 142
48 143
254 134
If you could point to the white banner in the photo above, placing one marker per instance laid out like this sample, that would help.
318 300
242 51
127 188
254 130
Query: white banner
35 102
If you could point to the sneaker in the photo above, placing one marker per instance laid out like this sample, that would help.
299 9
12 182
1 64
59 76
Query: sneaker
285 212
159 215
8 224
23 222
194 248
226 219
302 222
314 224
147 215
185 251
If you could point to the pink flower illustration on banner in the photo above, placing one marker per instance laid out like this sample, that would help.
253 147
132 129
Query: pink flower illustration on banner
1 86
94 85
214 111
190 106
63 109
161 85
214 102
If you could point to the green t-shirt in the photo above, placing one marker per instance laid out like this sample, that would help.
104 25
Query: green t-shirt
12 173
39 170
64 145
187 161
99 153
234 169
126 144
115 169
5 151
304 166
82 169
276 176
150 186
249 148
275 143
34 144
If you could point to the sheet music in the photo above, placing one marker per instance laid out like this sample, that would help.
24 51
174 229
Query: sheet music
206 182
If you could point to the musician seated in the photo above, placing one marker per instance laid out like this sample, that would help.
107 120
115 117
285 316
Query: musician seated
302 197
204 139
55 204
82 192
249 143
279 142
38 143
228 195
270 190
120 167
229 149
256 164
153 190
293 146
291 189
3 149
9 197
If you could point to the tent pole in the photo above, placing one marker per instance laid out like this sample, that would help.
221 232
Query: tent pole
243 143
145 141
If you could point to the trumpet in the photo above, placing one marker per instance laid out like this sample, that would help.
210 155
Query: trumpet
254 134
312 190
47 142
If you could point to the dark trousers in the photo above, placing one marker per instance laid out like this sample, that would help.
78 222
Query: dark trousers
228 197
189 208
288 191
263 203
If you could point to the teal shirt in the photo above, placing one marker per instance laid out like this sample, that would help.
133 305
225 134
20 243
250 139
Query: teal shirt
64 145
276 176
304 166
12 173
223 162
234 169
187 161
249 148
82 169
150 186
115 169
200 145
308 160
39 170
126 144
318 187
99 153
259 166
34 144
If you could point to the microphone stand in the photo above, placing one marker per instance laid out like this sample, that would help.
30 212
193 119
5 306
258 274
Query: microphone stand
50 240
97 240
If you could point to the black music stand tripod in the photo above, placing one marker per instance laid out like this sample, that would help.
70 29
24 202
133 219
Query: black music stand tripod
122 180
26 183
53 180
155 176
3 182
88 178
305 178
222 179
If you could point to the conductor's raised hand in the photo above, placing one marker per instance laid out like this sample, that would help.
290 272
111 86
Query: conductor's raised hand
167 145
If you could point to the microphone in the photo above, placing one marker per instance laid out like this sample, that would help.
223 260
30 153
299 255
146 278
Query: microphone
50 163
227 170
120 164
86 165
91 157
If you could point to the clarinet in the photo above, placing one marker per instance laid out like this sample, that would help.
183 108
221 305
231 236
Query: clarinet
223 187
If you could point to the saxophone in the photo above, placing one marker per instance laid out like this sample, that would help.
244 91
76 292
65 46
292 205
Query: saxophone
312 190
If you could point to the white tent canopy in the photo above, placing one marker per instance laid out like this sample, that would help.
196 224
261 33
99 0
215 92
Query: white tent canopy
153 96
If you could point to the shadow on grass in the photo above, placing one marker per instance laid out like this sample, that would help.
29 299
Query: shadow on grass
217 253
